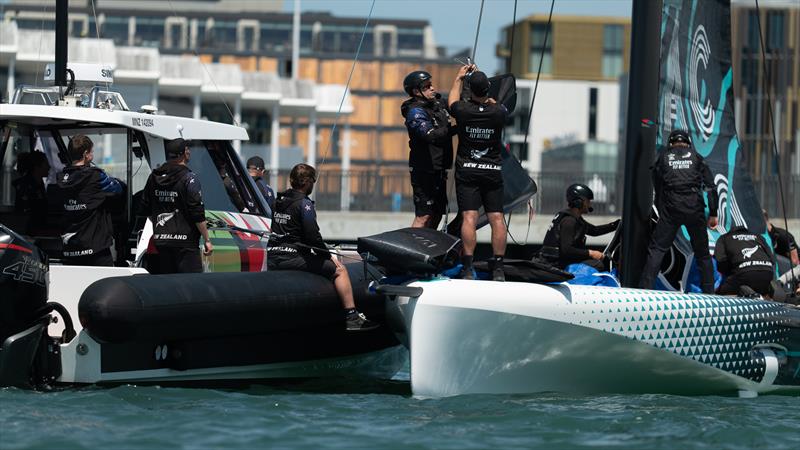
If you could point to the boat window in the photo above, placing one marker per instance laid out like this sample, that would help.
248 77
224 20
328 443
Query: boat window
225 186
111 153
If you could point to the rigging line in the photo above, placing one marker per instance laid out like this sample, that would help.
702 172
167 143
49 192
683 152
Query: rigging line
346 87
97 32
538 73
772 124
513 33
207 72
39 55
477 32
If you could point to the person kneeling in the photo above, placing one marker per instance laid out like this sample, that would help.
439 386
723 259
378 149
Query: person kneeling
744 259
294 223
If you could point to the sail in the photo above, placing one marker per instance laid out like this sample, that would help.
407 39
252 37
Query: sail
518 187
696 94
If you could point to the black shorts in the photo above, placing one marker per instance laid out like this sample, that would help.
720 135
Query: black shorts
177 260
320 265
758 280
476 188
430 192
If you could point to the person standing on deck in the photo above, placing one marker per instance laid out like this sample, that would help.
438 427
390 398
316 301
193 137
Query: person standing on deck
680 176
479 181
88 232
173 200
296 243
430 148
565 240
255 166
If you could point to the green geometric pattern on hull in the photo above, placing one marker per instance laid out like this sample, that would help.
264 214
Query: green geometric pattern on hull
713 330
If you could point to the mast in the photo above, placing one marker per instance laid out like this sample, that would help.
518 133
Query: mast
62 41
640 137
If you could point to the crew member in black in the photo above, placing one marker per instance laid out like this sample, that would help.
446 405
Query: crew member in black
744 259
298 245
255 166
680 176
431 148
783 242
31 193
479 181
173 201
87 233
565 240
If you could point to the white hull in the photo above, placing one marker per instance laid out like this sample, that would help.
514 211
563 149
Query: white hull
485 337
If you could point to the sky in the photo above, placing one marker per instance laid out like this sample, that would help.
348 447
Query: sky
454 21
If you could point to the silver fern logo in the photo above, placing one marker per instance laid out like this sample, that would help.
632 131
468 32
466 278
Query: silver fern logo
478 154
748 252
66 237
703 113
162 219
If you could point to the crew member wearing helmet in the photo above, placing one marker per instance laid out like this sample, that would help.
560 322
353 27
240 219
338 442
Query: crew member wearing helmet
680 176
431 148
479 182
565 240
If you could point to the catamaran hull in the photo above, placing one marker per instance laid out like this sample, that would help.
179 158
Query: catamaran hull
483 337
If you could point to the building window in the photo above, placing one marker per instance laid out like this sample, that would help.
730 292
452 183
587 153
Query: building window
276 37
410 41
540 51
752 32
592 113
149 31
224 37
775 27
613 43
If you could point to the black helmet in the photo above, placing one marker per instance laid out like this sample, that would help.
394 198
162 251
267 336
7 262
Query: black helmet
576 193
414 80
679 136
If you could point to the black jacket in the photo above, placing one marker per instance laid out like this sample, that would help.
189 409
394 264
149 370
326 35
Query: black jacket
480 132
173 201
739 250
782 242
430 134
565 240
680 175
87 223
295 219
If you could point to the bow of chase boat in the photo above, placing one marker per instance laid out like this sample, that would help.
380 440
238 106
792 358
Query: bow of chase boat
470 337
124 325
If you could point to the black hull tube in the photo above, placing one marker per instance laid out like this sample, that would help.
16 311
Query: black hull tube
227 319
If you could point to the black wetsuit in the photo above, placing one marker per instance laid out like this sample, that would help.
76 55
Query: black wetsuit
430 153
294 221
565 240
744 258
680 176
479 181
87 233
173 201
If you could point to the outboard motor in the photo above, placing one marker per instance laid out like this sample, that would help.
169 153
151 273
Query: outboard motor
26 351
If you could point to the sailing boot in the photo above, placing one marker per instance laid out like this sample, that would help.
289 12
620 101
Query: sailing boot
356 321
496 268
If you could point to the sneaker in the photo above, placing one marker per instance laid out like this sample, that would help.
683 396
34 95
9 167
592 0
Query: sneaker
498 275
467 273
359 322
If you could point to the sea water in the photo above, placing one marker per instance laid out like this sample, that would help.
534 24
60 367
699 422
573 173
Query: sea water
348 414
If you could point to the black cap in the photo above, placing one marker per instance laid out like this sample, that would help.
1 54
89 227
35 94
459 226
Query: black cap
176 147
256 162
479 83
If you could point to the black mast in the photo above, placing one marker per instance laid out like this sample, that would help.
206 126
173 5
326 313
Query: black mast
62 41
640 137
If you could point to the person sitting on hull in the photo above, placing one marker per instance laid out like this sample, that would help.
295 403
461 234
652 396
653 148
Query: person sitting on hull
783 242
430 144
565 240
88 232
297 244
744 259
479 181
173 201
680 176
